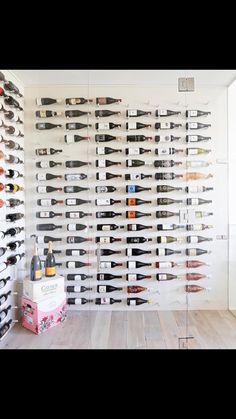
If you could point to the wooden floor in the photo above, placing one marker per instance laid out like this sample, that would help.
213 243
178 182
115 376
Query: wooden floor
131 330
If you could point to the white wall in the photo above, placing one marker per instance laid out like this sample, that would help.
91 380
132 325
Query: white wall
172 294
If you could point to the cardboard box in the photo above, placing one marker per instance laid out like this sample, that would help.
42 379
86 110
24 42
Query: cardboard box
42 316
44 288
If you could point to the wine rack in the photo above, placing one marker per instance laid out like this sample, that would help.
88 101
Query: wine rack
14 273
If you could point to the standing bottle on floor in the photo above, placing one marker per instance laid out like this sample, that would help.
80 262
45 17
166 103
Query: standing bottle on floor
50 265
36 266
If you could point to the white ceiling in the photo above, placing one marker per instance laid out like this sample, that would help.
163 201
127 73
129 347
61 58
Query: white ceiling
150 77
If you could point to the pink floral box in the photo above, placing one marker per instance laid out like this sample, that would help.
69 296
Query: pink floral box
41 316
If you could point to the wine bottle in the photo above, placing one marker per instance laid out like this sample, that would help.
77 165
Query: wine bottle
13 231
167 176
195 176
108 201
138 138
75 176
167 252
12 117
107 214
196 125
106 150
3 282
166 163
47 227
2 77
12 159
76 201
76 125
136 125
167 188
165 277
47 101
136 163
137 214
108 227
196 252
167 239
166 214
4 329
47 176
136 201
166 112
136 252
195 288
106 240
76 239
197 189
47 239
2 251
70 139
107 252
47 164
49 202
106 301
77 227
194 263
76 163
137 277
48 214
136 289
136 151
9 129
201 214
167 151
197 163
137 227
106 163
105 113
106 126
105 189
136 264
191 151
77 289
136 301
77 214
12 174
103 138
76 252
14 217
195 113
167 125
166 138
74 189
165 265
4 312
76 113
106 176
47 189
2 203
46 125
78 301
136 188
46 151
101 289
12 145
47 114
106 100
167 227
137 240
4 297
168 201
12 187
196 138
132 113
192 276
13 260
15 245
137 176
75 264
107 277
78 101
10 101
75 277
198 201
35 266
198 227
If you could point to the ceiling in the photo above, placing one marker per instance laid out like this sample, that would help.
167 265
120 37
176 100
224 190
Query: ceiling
149 77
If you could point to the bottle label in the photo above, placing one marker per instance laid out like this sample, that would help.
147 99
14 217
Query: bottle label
163 240
131 265
106 228
74 177
102 288
71 202
42 189
78 277
192 151
165 125
75 253
192 113
78 300
104 126
69 139
75 215
129 163
101 189
192 125
165 138
133 227
101 150
161 252
131 188
165 265
133 151
194 189
105 300
71 227
162 112
196 227
71 125
132 112
193 138
194 201
132 303
44 214
105 240
38 274
129 252
104 265
131 214
192 252
77 289
41 176
162 277
135 176
71 264
102 163
167 227
44 164
101 277
131 201
103 201
102 176
163 151
131 277
132 125
193 239
50 270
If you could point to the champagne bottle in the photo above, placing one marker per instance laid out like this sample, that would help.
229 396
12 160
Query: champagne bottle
196 138
36 266
167 188
47 239
168 227
9 86
47 164
195 288
136 201
75 176
137 227
196 252
167 239
78 301
46 151
103 138
135 151
136 188
196 125
105 113
108 227
12 174
76 125
167 176
137 240
107 277
138 138
78 101
74 189
198 201
106 163
47 101
107 214
136 264
49 202
77 214
47 176
106 100
196 113
136 252
136 163
108 201
48 214
109 265
167 125
137 214
75 264
76 201
70 139
47 189
166 138
137 176
50 267
167 163
77 289
168 201
47 114
165 277
191 151
197 189
75 277
106 240
101 289
15 245
106 126
76 163
14 217
10 101
166 214
76 239
136 125
197 227
132 113
107 252
76 252
136 301
46 125
105 189
106 176
76 227
76 113
137 277
192 276
166 112
44 252
167 151
106 301
47 227
106 150
167 252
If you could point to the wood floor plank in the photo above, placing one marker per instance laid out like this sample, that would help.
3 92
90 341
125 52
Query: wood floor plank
169 329
208 333
101 329
135 330
118 330
152 328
